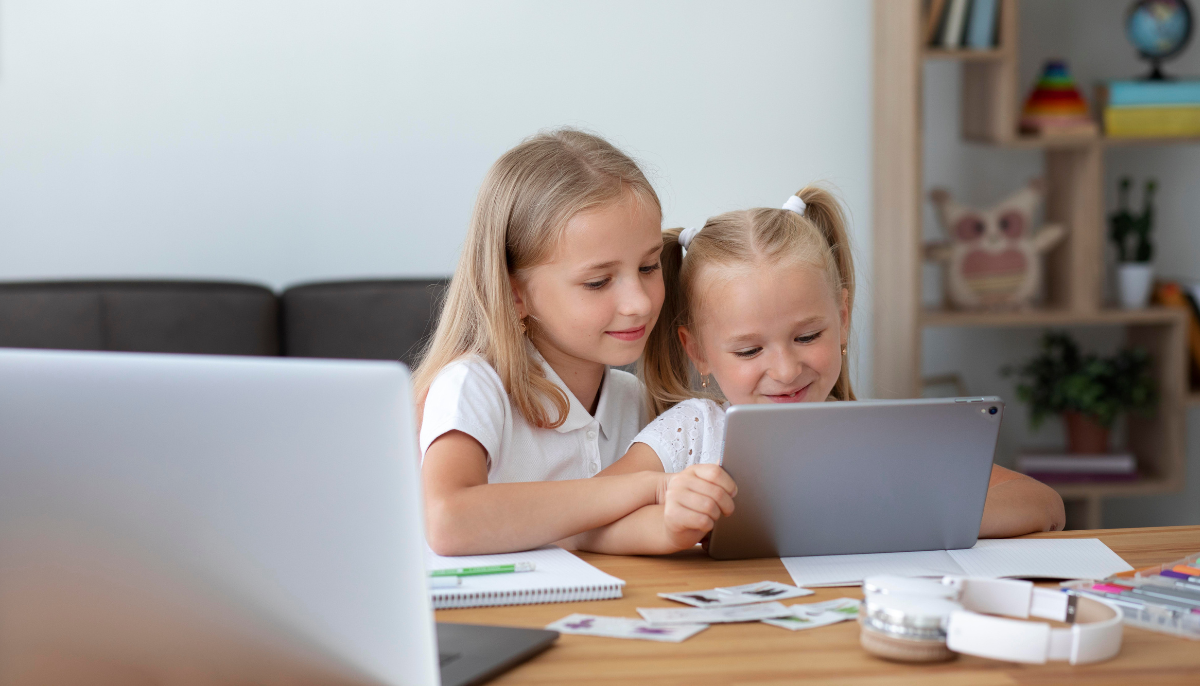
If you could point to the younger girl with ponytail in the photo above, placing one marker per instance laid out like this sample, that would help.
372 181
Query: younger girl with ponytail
758 303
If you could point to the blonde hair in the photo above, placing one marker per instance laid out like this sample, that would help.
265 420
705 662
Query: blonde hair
525 202
817 238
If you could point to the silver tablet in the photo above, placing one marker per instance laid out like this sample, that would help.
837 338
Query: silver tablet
840 478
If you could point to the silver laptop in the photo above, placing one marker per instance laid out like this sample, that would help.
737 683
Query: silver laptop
857 477
194 519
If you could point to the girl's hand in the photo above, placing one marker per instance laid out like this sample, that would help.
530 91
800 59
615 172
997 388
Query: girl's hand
694 500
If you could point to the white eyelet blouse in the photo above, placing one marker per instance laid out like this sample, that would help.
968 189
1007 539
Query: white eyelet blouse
692 432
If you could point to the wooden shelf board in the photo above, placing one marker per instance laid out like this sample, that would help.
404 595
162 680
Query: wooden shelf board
964 54
1051 317
1038 142
1021 142
1146 486
1133 142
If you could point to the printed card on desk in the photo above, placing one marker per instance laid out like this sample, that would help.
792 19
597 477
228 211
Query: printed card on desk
712 615
738 595
623 627
812 615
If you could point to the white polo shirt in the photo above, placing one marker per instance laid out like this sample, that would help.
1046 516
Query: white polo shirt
468 396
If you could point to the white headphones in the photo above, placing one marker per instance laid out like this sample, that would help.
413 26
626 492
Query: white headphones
926 620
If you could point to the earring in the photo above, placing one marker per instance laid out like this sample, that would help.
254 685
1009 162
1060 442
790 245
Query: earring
521 323
704 381
843 350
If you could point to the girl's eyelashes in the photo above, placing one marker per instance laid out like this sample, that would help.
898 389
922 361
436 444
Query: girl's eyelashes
601 283
809 338
747 353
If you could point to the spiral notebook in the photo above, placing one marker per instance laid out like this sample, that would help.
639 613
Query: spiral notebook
558 577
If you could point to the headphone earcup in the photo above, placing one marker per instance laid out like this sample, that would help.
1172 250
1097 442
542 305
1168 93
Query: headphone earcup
902 649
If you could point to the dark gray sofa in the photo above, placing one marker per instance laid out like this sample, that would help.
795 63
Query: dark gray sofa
379 319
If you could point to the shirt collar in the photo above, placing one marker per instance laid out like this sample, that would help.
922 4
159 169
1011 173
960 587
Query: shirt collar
578 416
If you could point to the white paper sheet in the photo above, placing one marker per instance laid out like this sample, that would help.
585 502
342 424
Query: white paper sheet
1049 558
850 570
1040 558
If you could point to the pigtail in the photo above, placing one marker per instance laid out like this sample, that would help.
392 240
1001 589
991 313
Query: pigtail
664 365
823 210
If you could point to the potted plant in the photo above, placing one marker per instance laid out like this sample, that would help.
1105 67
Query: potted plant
1131 235
1089 392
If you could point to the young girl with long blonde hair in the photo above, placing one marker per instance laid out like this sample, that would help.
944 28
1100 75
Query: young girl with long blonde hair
758 303
559 281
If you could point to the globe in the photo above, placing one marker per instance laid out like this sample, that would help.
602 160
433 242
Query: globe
1159 29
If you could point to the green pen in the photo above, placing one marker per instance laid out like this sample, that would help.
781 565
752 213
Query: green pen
478 571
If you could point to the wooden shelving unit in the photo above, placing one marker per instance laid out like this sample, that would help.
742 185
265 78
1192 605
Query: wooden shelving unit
991 101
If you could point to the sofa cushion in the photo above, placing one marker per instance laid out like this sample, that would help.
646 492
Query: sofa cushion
377 320
50 316
141 316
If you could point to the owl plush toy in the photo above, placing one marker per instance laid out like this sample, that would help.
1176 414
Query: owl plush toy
993 257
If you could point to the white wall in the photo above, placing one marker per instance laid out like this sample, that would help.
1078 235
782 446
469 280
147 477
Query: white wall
1089 34
288 141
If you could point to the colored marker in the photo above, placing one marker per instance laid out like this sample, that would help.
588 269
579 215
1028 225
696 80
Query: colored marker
1124 597
479 571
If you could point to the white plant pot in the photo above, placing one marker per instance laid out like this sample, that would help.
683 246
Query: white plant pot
1134 280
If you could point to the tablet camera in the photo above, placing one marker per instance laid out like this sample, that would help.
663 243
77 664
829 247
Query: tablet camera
993 409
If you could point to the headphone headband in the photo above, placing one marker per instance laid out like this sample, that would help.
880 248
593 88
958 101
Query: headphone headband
900 613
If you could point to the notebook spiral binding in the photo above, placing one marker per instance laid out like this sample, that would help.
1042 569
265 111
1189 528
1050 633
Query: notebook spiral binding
459 599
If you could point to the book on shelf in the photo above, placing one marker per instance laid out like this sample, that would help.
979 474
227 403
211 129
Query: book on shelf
981 26
1143 93
953 25
1081 477
1118 463
933 21
1150 109
1168 121
1070 468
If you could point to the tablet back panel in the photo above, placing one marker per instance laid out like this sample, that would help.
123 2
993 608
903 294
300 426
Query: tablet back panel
859 477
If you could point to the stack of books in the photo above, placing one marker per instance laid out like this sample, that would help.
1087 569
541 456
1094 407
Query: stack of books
954 24
1078 468
1150 109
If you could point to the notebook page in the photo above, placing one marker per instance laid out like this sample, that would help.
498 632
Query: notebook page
850 570
558 576
1040 558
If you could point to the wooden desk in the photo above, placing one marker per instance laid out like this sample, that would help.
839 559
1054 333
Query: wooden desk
760 654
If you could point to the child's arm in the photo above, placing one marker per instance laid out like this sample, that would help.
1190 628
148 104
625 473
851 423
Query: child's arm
465 515
1017 504
695 499
639 458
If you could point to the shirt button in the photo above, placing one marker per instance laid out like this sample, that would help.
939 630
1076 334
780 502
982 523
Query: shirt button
591 435
594 468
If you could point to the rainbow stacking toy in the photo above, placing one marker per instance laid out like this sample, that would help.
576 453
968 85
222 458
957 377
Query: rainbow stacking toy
1055 106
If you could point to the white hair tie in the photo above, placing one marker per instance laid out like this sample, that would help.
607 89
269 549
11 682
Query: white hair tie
795 204
688 235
